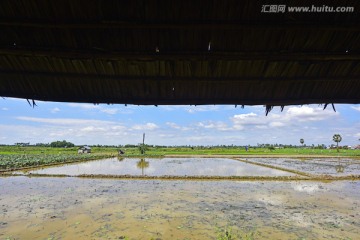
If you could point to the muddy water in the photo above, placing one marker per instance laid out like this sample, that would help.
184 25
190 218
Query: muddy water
165 166
315 166
74 208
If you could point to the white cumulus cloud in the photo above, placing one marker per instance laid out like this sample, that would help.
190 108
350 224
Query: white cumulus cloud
92 129
177 127
192 109
64 121
276 124
306 113
221 126
293 115
173 125
356 108
100 108
147 126
241 121
55 110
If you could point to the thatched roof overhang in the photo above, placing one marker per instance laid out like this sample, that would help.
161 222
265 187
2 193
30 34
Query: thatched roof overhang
178 52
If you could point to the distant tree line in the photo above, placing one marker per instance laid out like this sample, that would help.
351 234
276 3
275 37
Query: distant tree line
42 144
21 144
62 144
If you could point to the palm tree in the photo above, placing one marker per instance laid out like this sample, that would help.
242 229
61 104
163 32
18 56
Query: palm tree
302 141
337 138
142 147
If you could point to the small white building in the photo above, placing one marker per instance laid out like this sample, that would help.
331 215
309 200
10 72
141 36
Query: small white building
84 149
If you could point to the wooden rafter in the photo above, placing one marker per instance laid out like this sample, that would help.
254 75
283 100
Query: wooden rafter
89 76
208 55
210 25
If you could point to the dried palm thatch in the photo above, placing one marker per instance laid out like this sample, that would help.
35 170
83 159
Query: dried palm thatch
156 52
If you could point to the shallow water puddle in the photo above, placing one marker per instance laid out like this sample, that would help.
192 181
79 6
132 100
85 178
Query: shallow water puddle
315 166
74 208
161 167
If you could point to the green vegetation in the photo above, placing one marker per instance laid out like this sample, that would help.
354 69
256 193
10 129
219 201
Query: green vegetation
62 144
154 151
14 157
225 234
228 233
16 161
270 150
142 149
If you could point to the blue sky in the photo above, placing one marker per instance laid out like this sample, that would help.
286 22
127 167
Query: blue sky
175 125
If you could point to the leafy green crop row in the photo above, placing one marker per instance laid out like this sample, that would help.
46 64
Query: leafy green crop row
16 161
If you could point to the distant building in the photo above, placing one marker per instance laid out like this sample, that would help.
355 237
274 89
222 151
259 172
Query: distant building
22 144
84 149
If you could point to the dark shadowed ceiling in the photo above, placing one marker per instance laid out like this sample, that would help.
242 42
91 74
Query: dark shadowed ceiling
178 52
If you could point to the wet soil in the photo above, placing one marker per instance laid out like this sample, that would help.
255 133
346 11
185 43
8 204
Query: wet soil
76 208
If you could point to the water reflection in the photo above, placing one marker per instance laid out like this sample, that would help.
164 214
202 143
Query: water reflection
165 166
142 164
339 168
307 187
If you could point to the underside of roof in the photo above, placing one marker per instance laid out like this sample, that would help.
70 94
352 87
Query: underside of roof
179 52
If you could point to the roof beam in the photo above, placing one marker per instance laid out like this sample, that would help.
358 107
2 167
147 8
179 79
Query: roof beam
232 25
83 76
156 56
189 101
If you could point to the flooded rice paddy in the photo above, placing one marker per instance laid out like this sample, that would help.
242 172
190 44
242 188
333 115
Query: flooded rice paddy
76 208
315 166
161 167
86 208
